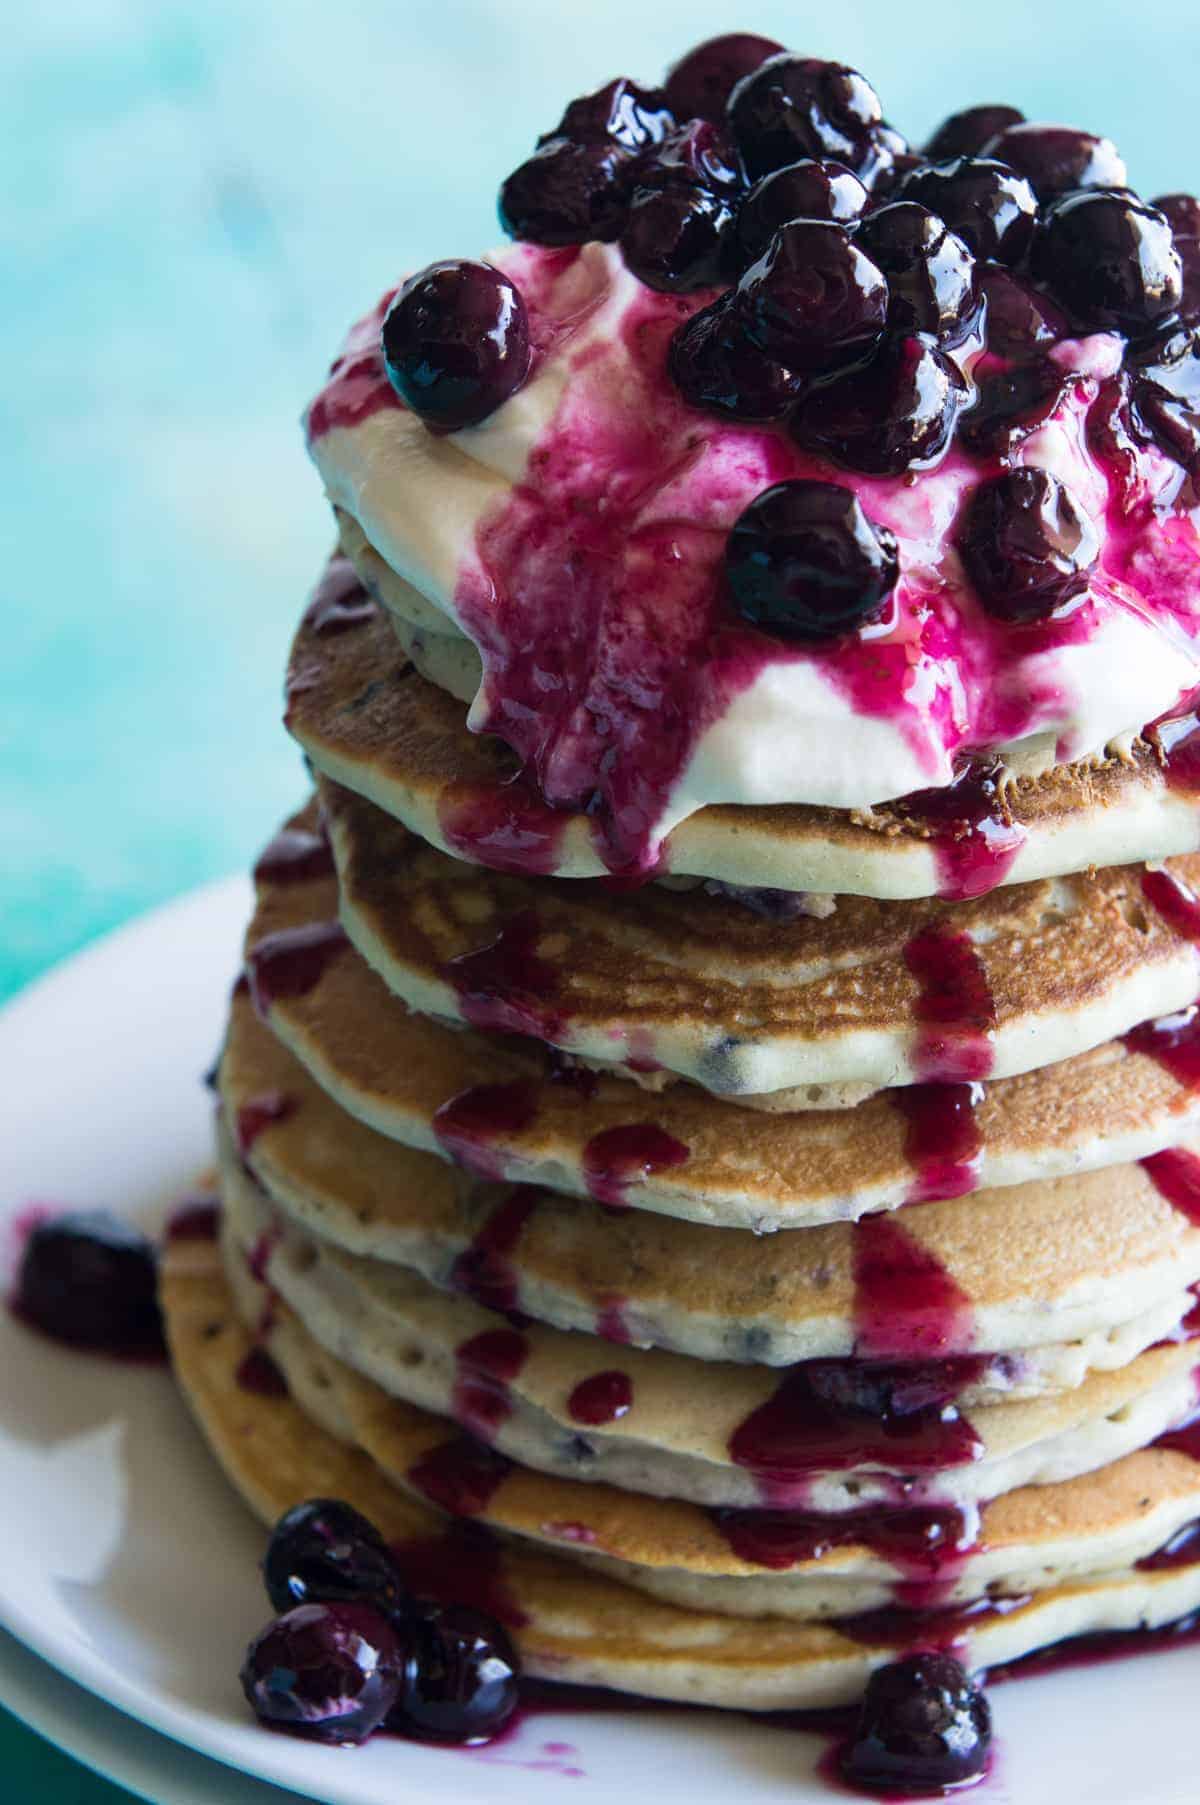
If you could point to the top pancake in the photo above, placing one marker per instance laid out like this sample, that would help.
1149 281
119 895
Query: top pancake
369 720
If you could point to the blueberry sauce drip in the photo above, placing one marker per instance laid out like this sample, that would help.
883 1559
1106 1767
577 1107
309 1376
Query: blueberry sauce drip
291 963
486 1366
460 1476
469 1125
358 384
257 1373
944 1627
612 1323
943 1140
1174 900
1183 1550
484 1270
929 1544
339 602
257 1114
1178 744
954 1007
508 828
295 856
617 1159
1175 1174
602 1398
194 1219
505 987
463 1566
1183 1439
906 1305
975 841
1172 1040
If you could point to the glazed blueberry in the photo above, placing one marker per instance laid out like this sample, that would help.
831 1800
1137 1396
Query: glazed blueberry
990 206
1026 543
803 562
1010 404
91 1281
1189 258
674 237
461 1679
1110 261
1020 321
1166 392
700 84
886 151
568 193
923 1727
795 106
715 366
456 343
324 1552
1182 213
620 113
813 299
329 1672
810 189
1057 159
892 412
965 134
930 272
697 155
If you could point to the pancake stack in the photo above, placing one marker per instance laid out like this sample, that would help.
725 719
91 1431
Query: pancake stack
735 1260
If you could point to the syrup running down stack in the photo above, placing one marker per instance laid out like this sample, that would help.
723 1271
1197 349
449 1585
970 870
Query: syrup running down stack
756 785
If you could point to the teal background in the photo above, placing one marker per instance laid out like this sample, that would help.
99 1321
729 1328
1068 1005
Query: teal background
196 199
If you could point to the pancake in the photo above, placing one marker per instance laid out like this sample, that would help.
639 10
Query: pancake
501 1106
872 994
368 720
1100 1263
573 1622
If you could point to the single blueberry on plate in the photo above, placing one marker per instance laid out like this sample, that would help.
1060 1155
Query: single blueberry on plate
328 1672
804 562
89 1280
923 1727
461 1679
325 1552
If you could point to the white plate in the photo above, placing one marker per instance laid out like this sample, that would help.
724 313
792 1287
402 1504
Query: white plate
126 1562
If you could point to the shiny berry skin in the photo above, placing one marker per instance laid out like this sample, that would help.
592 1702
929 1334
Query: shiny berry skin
886 152
810 189
91 1281
700 83
894 411
1182 213
1109 259
923 1727
992 209
696 155
673 238
813 300
1020 321
795 106
332 1673
1166 392
456 343
1010 404
965 134
930 272
620 113
1057 159
715 366
803 562
461 1679
1026 543
324 1552
568 193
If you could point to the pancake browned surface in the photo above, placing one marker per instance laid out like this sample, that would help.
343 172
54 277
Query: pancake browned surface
1101 1259
366 718
396 1071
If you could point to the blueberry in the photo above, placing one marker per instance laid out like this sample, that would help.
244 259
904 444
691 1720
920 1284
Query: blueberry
700 84
794 106
91 1281
324 1552
620 113
1166 391
1057 159
810 189
930 272
568 193
456 343
923 1727
715 366
1011 404
813 299
461 1679
894 411
885 153
1110 261
696 155
803 561
991 207
965 134
1182 213
329 1672
674 238
1026 543
1020 321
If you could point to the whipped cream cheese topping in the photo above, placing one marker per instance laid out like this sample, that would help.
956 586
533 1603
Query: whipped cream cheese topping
577 539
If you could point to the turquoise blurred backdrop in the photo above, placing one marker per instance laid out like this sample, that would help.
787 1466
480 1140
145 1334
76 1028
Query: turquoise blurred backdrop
196 200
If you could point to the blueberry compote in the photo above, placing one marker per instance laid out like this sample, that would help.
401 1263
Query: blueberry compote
91 1281
358 1648
923 1727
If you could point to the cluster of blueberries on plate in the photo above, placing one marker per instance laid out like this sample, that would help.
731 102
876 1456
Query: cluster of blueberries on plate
852 269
